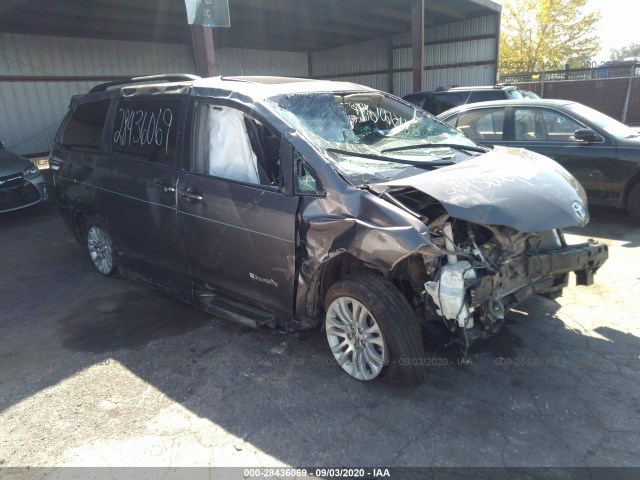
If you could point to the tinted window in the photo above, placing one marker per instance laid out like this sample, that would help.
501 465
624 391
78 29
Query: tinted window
486 96
444 101
484 124
527 125
147 129
85 127
417 99
544 125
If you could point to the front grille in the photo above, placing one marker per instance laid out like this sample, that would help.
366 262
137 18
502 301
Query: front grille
10 181
16 197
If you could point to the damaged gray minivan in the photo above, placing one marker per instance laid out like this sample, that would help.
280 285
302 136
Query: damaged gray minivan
303 204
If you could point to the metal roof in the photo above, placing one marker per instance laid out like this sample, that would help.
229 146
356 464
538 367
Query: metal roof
290 25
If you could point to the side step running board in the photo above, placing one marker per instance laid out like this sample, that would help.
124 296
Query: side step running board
235 311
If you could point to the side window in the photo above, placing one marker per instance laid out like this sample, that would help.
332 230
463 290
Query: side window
544 125
452 120
527 126
147 129
484 124
85 127
444 101
305 179
486 96
232 145
559 127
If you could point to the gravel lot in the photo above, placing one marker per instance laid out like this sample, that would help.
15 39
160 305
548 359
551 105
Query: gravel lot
106 372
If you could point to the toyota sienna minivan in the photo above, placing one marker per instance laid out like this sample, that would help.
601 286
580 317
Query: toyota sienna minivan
304 204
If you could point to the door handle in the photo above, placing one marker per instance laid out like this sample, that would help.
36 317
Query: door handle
164 187
192 196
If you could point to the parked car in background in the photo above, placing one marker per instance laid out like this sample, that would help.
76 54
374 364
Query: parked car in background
444 99
527 94
21 183
600 152
304 204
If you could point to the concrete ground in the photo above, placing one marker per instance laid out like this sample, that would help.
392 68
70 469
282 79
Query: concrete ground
97 371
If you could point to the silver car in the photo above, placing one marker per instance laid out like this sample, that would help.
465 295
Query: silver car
21 183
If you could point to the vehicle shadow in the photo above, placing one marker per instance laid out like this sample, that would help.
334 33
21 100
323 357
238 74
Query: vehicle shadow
260 386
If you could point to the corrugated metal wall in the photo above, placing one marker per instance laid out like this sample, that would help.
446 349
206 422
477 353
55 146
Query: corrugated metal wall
32 110
366 63
235 61
459 53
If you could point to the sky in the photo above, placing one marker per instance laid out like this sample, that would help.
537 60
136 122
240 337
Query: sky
619 24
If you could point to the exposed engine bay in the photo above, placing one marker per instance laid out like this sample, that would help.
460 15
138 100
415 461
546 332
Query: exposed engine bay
484 270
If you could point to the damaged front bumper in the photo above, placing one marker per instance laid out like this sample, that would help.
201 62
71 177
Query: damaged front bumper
584 260
538 273
475 298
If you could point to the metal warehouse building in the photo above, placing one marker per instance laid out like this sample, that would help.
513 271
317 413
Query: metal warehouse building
53 49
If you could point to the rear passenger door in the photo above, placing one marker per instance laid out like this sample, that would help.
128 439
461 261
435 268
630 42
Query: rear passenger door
237 218
138 185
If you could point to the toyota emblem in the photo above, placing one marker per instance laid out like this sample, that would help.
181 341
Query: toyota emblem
579 210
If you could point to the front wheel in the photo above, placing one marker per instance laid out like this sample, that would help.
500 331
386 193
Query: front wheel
371 328
100 247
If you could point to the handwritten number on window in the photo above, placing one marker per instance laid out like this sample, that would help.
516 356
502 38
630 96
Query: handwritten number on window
144 127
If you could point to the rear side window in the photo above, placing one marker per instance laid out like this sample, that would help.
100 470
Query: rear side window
487 96
483 124
147 129
442 102
417 99
85 127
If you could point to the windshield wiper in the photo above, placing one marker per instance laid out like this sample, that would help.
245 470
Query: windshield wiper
436 145
373 156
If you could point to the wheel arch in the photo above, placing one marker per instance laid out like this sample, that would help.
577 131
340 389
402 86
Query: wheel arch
631 182
80 214
407 275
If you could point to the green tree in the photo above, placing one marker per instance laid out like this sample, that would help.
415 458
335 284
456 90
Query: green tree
546 34
628 51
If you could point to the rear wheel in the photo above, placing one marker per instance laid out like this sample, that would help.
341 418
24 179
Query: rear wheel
100 247
633 202
372 330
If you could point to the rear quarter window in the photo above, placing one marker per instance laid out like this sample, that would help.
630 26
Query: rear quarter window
487 96
85 128
442 102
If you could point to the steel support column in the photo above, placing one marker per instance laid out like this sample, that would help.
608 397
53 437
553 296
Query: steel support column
498 20
204 51
417 43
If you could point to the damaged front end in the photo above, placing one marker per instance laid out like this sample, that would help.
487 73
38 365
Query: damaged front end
498 228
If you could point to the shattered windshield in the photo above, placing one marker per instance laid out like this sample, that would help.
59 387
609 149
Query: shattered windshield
383 133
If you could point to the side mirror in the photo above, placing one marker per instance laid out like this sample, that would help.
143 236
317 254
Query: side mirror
1 144
586 135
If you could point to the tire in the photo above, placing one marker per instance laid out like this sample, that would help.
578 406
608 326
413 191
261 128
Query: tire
385 337
633 202
100 247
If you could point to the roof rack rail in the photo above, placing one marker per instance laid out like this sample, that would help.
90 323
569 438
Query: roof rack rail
173 77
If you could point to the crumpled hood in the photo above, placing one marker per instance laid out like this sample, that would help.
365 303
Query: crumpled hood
507 186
